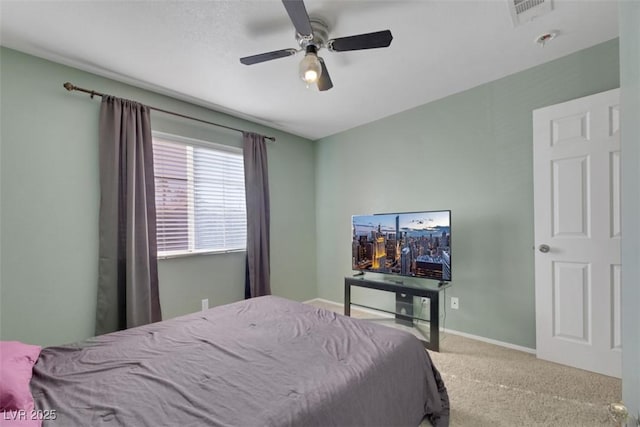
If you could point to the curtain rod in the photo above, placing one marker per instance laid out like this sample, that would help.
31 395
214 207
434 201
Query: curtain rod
71 87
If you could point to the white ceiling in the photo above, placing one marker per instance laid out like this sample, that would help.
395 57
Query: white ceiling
190 49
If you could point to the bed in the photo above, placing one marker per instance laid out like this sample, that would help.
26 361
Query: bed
265 361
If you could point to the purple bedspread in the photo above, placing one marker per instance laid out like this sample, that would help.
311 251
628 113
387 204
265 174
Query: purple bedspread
262 362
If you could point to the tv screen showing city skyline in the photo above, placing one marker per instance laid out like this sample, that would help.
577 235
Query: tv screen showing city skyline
415 244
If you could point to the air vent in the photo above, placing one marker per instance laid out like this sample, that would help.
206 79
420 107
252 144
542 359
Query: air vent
523 11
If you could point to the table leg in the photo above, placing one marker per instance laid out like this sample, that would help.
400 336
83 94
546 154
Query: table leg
434 322
347 299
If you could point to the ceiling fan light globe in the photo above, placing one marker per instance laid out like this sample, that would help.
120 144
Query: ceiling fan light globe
310 68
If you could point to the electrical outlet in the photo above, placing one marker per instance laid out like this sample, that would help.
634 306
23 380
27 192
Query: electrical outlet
455 303
205 304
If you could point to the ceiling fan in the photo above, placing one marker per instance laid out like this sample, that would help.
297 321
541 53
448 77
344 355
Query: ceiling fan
312 35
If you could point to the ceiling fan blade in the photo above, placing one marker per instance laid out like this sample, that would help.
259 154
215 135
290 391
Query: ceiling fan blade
324 82
298 14
361 41
267 56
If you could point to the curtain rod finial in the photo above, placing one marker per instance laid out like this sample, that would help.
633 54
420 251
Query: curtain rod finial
68 86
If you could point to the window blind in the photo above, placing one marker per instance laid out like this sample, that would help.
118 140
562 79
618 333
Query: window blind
200 198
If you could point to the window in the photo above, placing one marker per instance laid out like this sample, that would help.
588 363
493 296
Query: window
200 200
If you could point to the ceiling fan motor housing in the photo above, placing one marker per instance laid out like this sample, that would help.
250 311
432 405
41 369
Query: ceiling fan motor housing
320 34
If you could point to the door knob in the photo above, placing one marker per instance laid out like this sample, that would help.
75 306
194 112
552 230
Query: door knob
618 413
544 248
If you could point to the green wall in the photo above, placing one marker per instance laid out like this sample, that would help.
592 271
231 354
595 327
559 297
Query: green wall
630 143
471 153
49 206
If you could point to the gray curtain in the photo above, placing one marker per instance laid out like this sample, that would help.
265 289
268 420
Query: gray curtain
128 269
257 282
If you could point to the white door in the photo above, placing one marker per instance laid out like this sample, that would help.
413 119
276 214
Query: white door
576 163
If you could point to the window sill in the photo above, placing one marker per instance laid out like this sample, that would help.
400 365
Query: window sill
184 254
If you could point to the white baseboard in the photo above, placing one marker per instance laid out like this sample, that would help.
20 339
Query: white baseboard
490 341
446 330
316 299
362 309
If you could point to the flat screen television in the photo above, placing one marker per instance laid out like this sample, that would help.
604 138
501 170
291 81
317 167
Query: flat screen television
413 244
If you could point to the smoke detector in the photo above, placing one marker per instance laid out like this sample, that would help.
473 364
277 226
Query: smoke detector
544 38
523 11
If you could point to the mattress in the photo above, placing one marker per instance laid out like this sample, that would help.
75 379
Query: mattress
265 361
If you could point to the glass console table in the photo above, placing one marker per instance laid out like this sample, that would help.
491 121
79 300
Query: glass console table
404 313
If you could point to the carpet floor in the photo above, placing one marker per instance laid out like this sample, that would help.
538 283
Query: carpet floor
490 385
